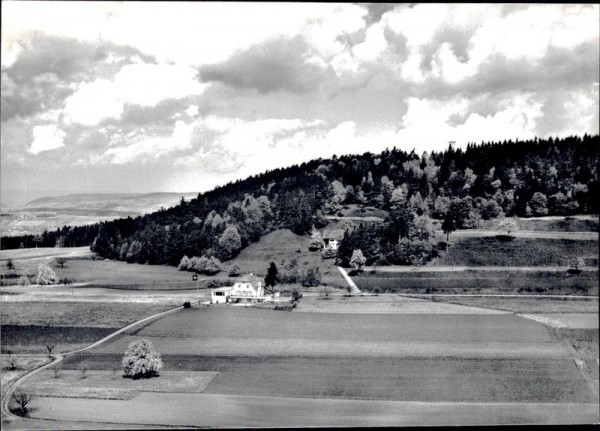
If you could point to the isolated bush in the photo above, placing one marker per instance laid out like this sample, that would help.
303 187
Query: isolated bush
312 277
358 260
141 360
234 271
46 275
187 304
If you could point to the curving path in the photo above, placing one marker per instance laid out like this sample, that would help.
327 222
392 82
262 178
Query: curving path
7 414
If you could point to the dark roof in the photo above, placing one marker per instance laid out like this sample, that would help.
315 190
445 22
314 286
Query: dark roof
333 233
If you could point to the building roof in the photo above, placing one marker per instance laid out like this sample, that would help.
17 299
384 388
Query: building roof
249 278
333 233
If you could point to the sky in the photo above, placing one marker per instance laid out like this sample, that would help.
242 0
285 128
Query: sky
144 97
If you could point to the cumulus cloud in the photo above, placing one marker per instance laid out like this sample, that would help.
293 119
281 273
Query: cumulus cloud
46 138
277 65
46 70
137 84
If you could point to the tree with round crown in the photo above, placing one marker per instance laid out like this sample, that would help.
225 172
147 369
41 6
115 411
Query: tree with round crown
141 360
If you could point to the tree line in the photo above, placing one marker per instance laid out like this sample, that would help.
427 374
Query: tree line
461 187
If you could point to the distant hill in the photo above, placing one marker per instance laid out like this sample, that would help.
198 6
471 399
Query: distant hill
53 212
131 203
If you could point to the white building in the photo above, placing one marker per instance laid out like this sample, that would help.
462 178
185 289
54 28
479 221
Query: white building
248 288
332 238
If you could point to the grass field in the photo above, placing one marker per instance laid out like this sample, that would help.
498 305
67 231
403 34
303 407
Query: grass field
381 304
34 339
223 330
435 379
27 327
525 304
404 357
112 385
23 364
430 358
489 251
565 225
76 314
487 282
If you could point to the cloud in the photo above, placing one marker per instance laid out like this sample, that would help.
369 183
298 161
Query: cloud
46 138
277 65
43 73
93 102
136 84
376 11
145 147
215 95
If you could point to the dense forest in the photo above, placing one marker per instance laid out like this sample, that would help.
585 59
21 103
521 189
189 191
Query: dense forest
461 187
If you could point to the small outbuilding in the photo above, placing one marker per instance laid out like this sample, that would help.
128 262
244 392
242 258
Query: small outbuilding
332 238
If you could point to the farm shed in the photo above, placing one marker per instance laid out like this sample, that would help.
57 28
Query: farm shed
332 238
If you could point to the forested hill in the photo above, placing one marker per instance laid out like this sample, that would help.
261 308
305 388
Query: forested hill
523 178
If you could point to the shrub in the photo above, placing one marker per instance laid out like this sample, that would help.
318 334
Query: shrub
141 360
312 277
213 284
213 266
358 260
234 271
187 304
184 264
23 281
296 295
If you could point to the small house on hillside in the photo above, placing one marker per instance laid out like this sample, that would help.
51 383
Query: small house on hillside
248 288
332 238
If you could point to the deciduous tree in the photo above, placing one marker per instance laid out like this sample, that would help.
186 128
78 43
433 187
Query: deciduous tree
141 360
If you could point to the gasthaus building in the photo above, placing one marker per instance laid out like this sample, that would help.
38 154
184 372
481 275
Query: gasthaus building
248 288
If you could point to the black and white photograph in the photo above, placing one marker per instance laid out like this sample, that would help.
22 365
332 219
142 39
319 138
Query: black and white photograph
298 214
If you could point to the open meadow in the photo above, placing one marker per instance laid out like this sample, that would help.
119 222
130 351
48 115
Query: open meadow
437 360
28 327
